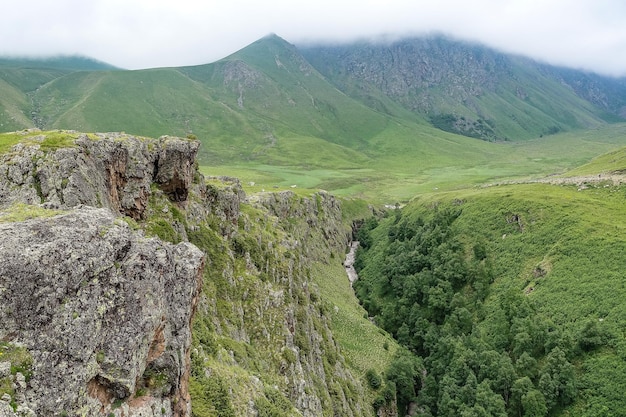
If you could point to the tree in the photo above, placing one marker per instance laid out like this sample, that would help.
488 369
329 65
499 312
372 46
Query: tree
557 380
488 400
373 379
521 387
404 372
591 336
497 368
534 404
526 365
427 396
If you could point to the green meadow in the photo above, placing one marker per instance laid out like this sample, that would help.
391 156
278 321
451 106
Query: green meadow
407 163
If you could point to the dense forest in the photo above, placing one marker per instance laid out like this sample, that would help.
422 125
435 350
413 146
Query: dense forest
464 356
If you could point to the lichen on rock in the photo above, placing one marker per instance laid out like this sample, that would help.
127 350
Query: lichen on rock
97 305
104 170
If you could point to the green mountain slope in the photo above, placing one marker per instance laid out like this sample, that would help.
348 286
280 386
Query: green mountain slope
14 106
270 89
612 163
20 79
246 107
271 79
62 63
466 88
606 93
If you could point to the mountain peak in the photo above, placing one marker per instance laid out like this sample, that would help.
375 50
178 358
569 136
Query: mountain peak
271 43
273 36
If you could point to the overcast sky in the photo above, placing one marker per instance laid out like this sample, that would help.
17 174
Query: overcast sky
133 34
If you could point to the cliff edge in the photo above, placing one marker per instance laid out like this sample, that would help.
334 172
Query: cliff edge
102 310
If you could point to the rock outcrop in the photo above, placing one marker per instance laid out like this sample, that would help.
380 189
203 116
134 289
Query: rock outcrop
104 312
110 170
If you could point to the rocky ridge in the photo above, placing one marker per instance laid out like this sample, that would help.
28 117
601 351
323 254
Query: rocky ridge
470 89
106 170
100 309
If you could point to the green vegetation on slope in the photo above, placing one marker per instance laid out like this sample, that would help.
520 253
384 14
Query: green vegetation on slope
467 88
548 337
21 212
14 106
268 332
403 162
607 163
19 360
47 141
270 79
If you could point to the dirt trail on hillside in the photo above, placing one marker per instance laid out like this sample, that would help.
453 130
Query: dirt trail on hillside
581 181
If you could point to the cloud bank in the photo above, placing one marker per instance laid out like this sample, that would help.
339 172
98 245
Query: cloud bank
133 34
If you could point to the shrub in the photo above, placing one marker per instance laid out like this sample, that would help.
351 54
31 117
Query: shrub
373 379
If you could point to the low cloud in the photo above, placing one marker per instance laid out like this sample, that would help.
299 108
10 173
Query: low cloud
587 34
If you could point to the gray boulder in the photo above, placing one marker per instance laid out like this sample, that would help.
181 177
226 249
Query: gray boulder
104 312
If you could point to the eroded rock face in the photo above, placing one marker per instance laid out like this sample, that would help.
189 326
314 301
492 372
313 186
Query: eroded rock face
104 312
106 170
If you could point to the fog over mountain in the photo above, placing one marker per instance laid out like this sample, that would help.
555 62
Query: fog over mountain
145 34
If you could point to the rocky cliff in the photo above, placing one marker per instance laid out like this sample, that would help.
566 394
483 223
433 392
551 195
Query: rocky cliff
113 170
112 242
102 310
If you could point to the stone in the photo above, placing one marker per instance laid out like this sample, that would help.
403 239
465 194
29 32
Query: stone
6 410
5 369
112 170
24 411
96 304
20 381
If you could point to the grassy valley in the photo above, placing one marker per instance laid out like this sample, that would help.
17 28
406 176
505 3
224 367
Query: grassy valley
407 163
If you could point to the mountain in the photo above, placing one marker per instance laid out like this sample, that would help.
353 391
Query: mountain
280 115
271 80
345 95
61 62
244 106
470 89
20 78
